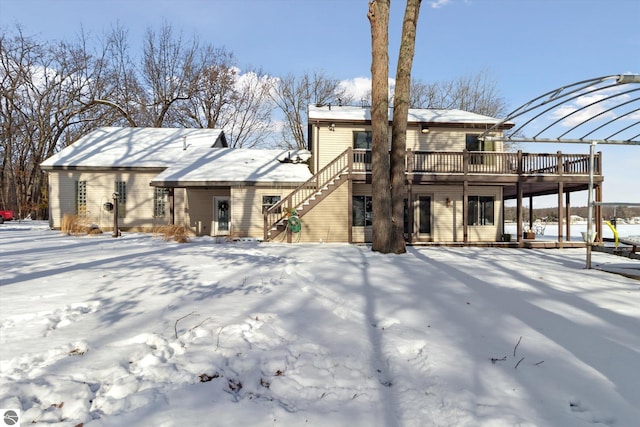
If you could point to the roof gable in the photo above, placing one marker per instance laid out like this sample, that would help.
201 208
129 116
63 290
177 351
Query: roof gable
110 147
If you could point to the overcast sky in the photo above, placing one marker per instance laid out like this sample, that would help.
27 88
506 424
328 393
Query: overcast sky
528 46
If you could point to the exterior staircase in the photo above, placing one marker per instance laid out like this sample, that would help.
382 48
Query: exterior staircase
308 195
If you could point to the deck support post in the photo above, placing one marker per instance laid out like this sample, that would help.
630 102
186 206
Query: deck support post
519 213
465 197
567 199
560 215
465 211
530 213
599 219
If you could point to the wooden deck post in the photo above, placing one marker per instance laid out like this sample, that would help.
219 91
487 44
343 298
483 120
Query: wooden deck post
289 234
568 207
530 213
559 171
350 207
465 197
560 214
519 215
599 213
410 218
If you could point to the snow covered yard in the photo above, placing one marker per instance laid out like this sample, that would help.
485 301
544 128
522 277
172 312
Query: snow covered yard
136 331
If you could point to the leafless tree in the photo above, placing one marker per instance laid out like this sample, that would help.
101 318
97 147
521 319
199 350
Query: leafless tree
380 179
292 96
388 174
45 88
249 121
224 98
399 125
477 93
53 93
168 71
213 91
123 94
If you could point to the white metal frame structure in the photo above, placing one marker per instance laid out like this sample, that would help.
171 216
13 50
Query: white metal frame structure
601 110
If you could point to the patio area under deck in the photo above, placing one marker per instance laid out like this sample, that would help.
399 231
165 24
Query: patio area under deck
521 175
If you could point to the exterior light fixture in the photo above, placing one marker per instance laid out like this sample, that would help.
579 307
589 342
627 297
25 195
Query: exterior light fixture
424 129
332 127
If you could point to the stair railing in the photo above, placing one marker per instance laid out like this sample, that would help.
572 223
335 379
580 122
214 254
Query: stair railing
307 191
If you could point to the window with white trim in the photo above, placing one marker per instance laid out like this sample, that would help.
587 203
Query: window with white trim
475 144
362 210
159 201
362 139
481 211
268 201
121 189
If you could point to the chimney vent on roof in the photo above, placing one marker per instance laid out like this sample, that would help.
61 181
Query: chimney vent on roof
184 142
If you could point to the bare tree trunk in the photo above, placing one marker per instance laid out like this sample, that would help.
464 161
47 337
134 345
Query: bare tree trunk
399 127
380 183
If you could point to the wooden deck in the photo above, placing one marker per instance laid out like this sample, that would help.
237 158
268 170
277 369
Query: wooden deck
538 173
528 244
487 163
519 174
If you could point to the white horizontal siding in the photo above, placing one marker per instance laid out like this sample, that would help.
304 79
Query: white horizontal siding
100 188
328 221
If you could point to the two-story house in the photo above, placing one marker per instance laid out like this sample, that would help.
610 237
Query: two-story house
456 183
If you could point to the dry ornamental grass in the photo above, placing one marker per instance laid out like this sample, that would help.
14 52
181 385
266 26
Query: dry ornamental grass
76 225
178 233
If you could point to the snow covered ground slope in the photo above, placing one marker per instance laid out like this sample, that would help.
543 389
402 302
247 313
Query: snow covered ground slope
137 331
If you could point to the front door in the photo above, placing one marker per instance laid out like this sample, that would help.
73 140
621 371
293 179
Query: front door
221 216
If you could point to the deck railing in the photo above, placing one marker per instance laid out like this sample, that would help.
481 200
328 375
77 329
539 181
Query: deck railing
488 162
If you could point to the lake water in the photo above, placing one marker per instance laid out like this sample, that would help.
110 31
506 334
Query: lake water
551 230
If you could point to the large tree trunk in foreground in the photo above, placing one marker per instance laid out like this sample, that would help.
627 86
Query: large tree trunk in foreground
399 127
380 183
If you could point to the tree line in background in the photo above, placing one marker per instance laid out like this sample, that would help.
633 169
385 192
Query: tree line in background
551 214
54 92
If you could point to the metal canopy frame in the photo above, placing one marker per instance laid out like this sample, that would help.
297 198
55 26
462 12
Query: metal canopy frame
599 107
595 111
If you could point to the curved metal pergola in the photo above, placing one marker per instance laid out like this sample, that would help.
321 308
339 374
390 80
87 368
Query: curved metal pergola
605 110
602 110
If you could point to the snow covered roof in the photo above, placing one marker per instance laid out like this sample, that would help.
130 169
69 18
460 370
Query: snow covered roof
189 157
109 147
229 166
431 116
